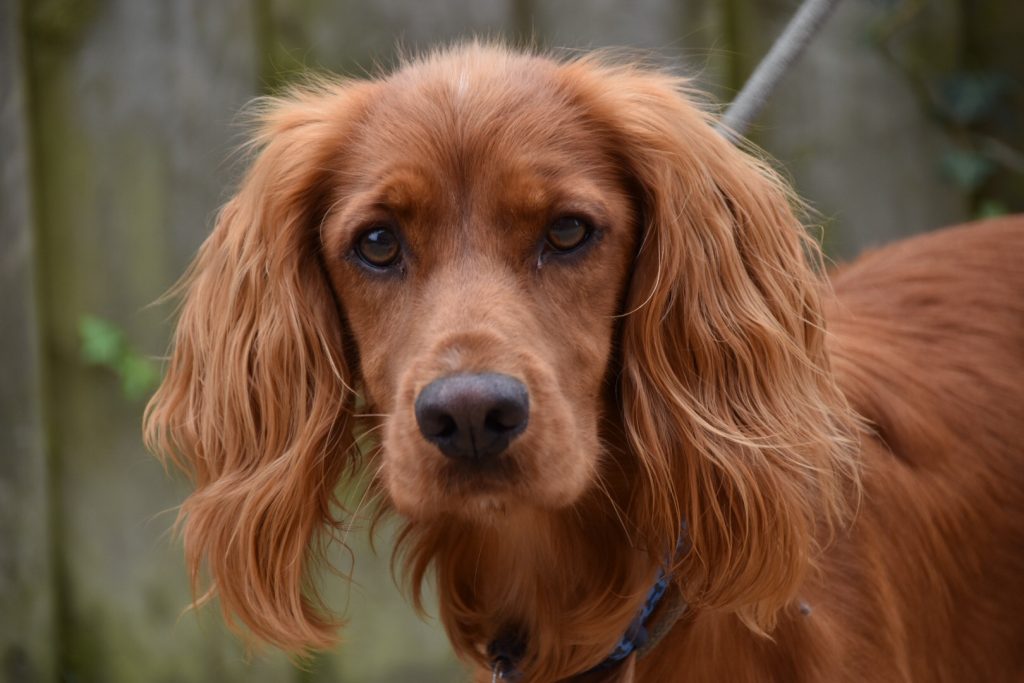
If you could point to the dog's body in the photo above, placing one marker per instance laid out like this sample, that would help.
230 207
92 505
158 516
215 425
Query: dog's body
589 339
927 341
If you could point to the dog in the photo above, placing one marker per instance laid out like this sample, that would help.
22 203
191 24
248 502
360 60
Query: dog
586 352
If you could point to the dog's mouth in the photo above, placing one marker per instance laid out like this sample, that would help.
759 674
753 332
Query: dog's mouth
423 483
480 477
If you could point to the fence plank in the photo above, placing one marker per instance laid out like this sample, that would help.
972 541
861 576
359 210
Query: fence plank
27 633
133 104
650 24
357 36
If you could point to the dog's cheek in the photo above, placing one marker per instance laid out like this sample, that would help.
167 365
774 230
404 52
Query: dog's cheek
561 449
380 325
407 477
570 474
584 367
378 363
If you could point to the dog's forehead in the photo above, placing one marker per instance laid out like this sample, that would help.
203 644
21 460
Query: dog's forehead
464 115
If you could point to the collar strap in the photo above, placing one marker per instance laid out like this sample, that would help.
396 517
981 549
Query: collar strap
637 636
506 651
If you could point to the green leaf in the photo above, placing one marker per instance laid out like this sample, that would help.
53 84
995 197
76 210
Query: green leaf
102 342
967 169
104 345
970 97
139 375
991 208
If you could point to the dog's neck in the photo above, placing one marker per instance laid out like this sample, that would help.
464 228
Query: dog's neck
564 584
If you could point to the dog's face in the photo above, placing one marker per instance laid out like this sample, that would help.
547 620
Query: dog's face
479 251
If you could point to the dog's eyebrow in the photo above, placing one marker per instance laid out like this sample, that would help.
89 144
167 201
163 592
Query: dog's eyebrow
581 197
403 190
399 194
593 211
541 194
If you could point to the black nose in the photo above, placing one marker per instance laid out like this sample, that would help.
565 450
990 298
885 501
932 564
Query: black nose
473 416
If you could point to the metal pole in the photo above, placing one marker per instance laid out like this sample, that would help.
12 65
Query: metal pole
789 46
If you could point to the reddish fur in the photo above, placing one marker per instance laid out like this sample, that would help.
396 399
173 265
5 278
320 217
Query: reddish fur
678 369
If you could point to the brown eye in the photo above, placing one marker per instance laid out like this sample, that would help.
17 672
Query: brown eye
378 247
567 233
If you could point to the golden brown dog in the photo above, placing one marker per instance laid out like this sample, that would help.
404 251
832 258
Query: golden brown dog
590 343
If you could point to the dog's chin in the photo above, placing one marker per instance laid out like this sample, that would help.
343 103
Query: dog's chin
481 492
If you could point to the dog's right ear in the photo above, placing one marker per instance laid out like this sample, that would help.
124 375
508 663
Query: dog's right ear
256 405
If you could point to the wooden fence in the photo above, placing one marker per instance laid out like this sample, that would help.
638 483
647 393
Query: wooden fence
117 119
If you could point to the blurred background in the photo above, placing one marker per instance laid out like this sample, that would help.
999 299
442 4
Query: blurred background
117 123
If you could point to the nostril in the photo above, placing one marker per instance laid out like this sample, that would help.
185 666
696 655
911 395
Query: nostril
435 422
496 422
443 426
506 417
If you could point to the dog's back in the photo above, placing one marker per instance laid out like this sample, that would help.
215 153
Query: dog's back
928 342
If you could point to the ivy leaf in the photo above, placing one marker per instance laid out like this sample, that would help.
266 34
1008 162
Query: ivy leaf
970 97
102 342
992 208
139 375
967 169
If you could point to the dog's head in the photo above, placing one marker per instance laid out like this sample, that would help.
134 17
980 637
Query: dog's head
549 291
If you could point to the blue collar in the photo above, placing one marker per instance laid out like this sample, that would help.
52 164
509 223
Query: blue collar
506 651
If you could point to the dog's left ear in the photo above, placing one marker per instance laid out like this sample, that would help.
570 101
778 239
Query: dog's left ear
256 405
728 399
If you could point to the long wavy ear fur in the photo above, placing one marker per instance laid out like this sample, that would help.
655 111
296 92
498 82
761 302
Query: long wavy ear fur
256 403
727 395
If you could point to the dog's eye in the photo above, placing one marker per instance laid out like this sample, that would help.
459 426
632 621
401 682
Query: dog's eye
378 247
567 233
